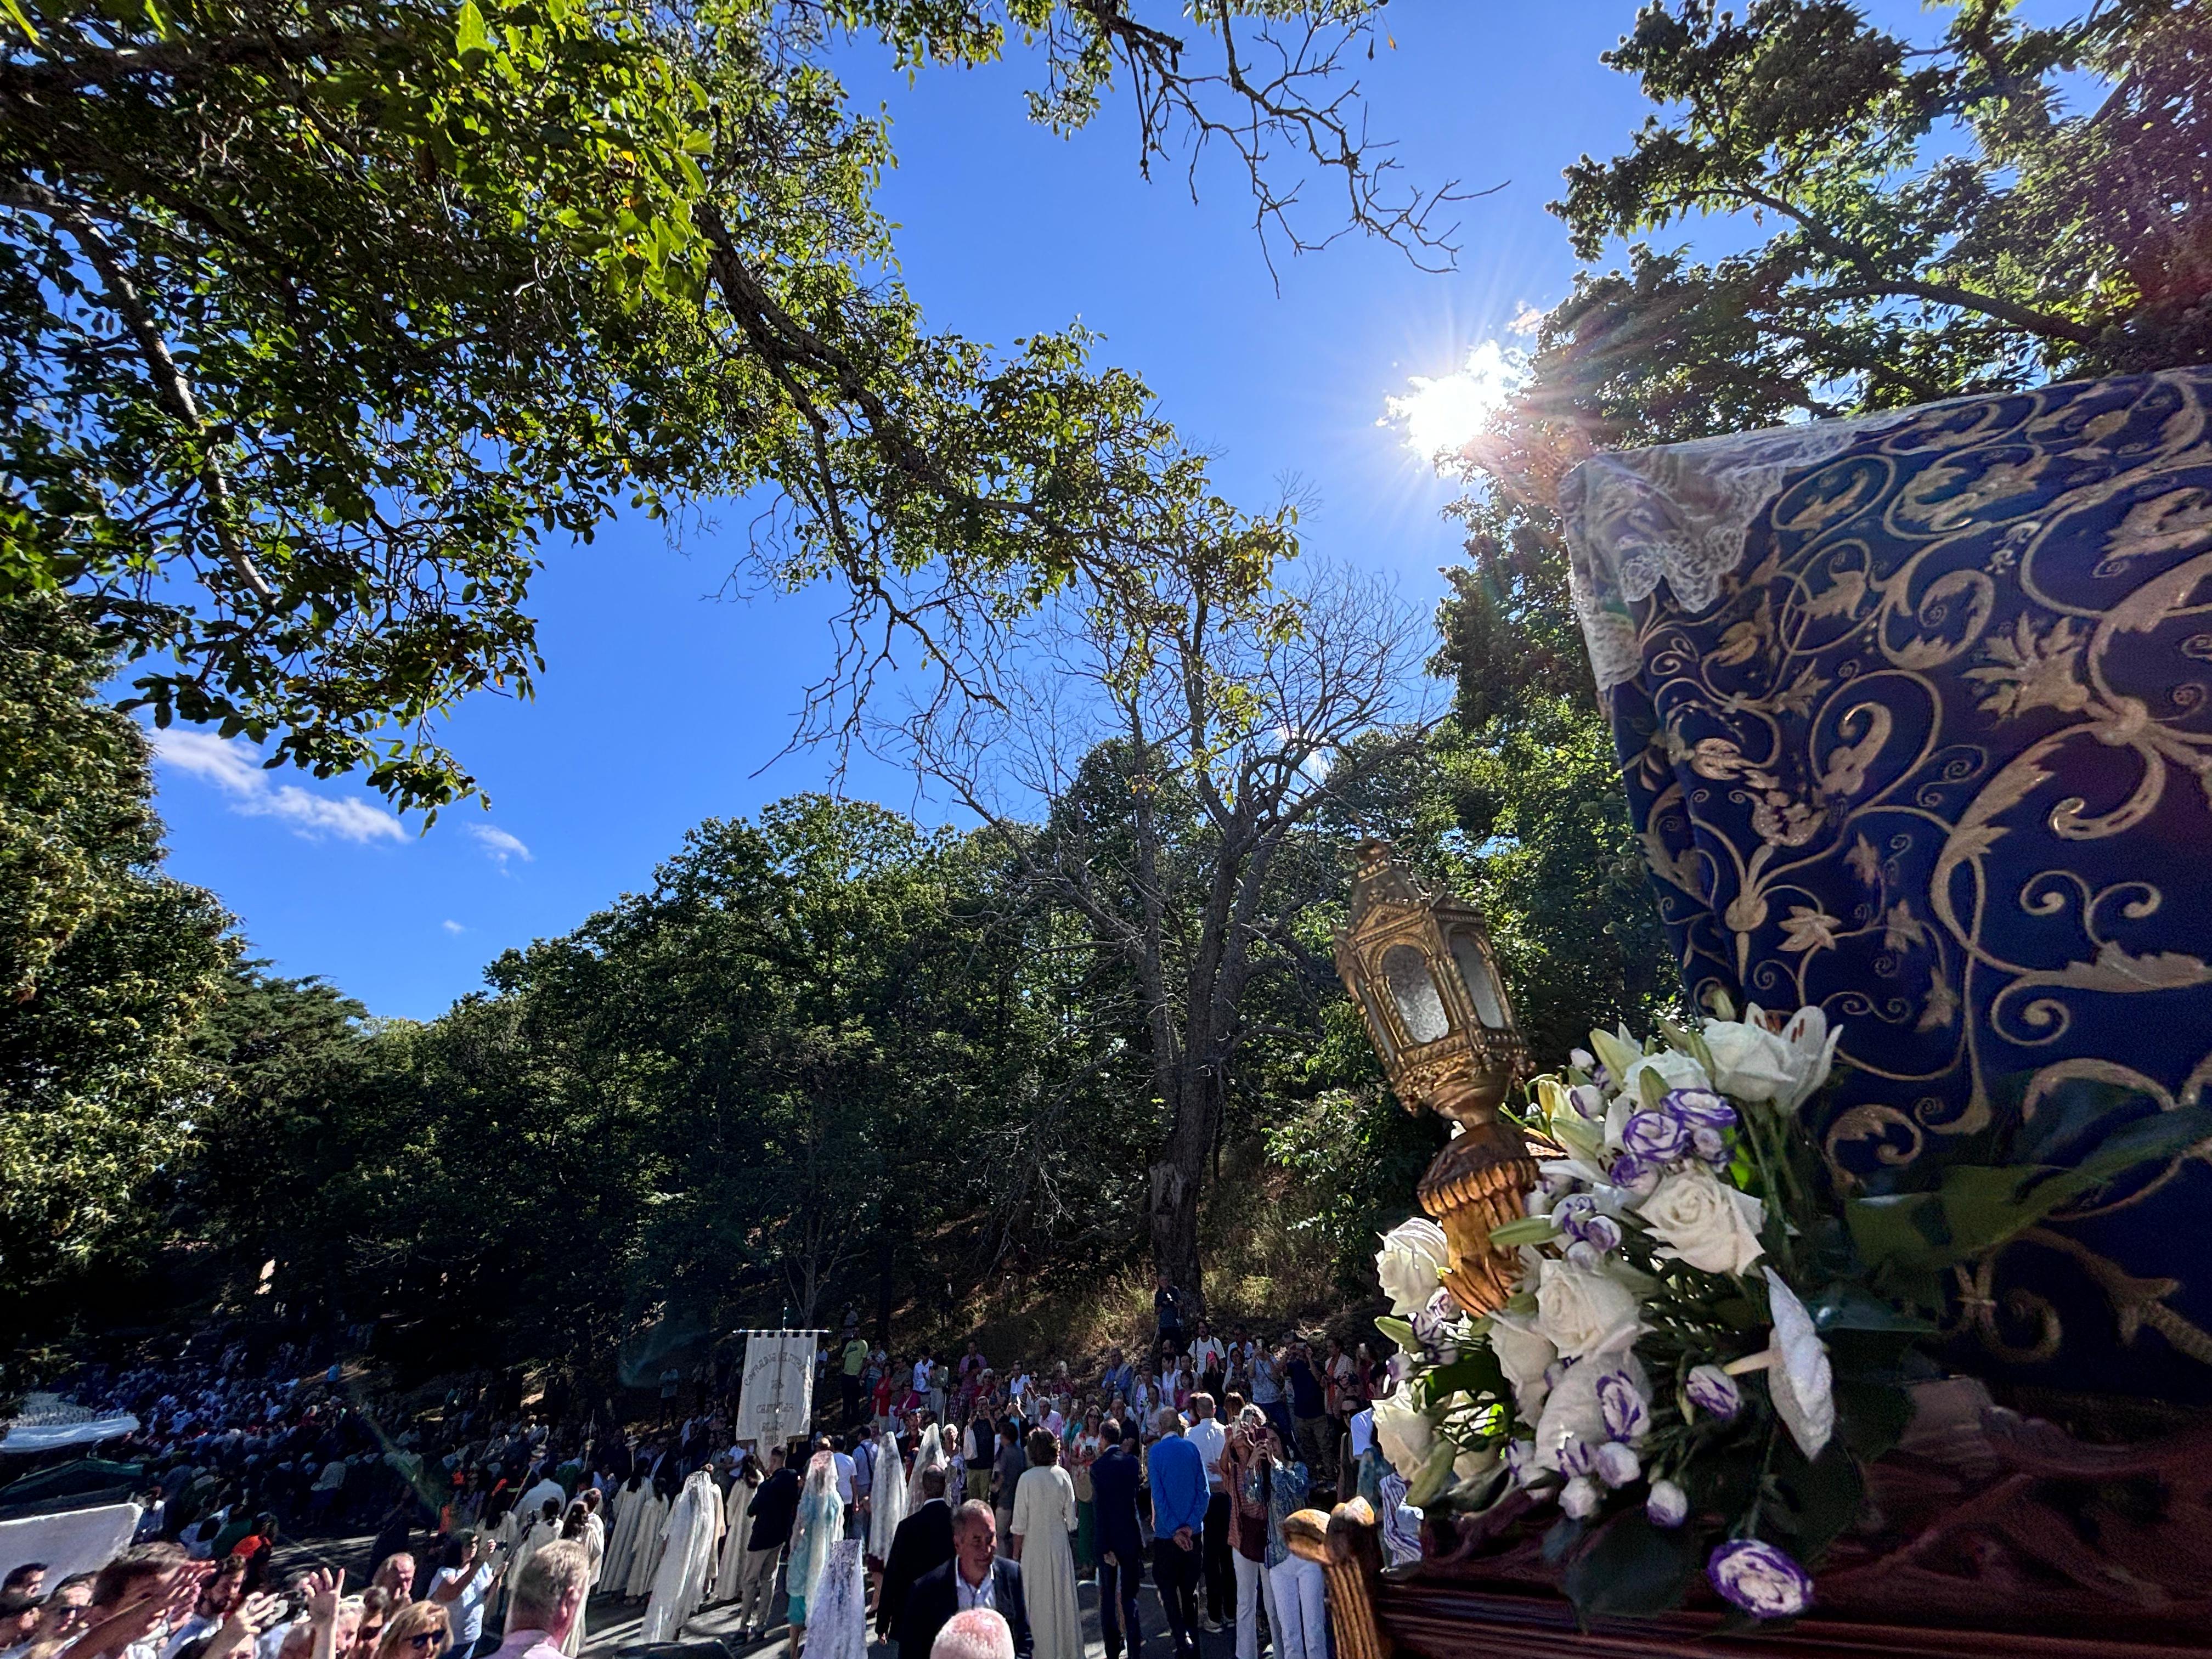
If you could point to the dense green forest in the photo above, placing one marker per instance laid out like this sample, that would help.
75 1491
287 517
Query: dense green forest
827 1056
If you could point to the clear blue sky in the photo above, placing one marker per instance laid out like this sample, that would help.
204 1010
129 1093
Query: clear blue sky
660 704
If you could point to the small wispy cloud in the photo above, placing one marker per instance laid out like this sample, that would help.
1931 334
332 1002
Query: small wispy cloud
499 846
234 766
1527 320
452 926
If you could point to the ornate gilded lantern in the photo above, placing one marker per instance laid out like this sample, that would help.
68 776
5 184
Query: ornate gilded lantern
1420 968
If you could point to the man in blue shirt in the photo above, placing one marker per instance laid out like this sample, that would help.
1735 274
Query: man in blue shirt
1179 1496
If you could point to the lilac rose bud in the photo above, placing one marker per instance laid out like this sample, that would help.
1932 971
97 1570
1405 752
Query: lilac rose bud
1581 1496
1587 1100
1668 1505
1520 1462
1626 1415
1701 1106
1655 1137
1632 1173
1576 1456
1571 1211
1713 1392
1582 1059
1600 1232
1585 1255
1436 1327
1616 1465
1711 1145
1760 1579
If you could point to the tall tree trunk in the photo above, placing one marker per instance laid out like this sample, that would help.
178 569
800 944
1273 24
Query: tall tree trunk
1178 1180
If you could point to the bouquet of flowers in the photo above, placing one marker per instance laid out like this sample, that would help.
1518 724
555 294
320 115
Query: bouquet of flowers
1711 1332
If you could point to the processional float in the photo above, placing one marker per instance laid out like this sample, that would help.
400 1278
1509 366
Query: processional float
1914 715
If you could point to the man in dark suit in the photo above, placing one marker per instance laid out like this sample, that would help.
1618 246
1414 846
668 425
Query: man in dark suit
974 1577
922 1544
773 1509
1120 1543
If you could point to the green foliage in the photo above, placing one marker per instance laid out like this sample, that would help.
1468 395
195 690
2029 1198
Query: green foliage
315 323
1939 217
107 965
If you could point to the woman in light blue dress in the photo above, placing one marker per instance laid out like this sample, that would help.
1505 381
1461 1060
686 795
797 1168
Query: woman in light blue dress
821 1524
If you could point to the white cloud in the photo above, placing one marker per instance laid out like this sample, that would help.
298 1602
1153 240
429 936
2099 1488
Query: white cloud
1527 320
499 846
234 766
452 926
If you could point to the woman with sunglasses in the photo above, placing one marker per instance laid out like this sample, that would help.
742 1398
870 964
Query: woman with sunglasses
419 1631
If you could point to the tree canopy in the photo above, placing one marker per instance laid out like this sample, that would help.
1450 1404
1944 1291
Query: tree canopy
316 322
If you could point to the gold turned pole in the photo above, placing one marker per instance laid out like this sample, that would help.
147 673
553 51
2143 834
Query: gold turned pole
1348 1546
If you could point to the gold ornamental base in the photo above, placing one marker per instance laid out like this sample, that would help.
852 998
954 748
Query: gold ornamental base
1477 1183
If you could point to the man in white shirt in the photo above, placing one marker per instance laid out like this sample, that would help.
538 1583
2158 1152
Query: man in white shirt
843 1460
1206 1434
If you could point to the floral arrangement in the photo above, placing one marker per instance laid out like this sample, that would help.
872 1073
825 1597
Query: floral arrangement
1711 1332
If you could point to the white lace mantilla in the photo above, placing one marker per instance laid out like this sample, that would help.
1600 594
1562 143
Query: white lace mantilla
1677 512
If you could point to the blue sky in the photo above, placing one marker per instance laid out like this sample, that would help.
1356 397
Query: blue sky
661 703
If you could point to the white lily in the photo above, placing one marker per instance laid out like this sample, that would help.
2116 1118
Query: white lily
1799 1379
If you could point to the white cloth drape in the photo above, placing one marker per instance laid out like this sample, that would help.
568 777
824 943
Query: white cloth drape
837 1616
738 1534
687 1558
645 1555
887 1504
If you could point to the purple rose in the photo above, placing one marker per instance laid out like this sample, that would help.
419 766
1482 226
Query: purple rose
1655 1137
1701 1106
1760 1579
1601 1233
1633 1174
1711 1145
1626 1415
1580 1220
1713 1392
1668 1505
1616 1465
1571 1211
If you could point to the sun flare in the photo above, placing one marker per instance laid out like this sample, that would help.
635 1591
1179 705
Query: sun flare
1441 412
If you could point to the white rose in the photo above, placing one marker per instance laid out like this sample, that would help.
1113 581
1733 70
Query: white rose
1470 1467
1524 1355
1411 1264
1578 1309
1403 1433
1704 1222
1580 1497
1676 1070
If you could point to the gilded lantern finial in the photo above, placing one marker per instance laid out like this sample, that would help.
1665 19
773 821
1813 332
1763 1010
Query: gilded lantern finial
1420 968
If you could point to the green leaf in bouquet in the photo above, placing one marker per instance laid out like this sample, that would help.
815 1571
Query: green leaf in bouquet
1871 1417
1400 1331
1846 1307
1651 1090
1476 1371
1740 1313
1724 1480
1824 1494
1617 1054
1632 1569
1427 1486
1976 1207
1526 1229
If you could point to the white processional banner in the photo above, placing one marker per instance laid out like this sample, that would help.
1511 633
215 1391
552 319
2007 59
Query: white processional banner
777 1401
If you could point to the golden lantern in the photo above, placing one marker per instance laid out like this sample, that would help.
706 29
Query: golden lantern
1420 966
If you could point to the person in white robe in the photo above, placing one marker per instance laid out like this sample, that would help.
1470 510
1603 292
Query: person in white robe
622 1540
821 1524
929 1453
687 1557
1044 1522
837 1614
729 1575
652 1533
887 1504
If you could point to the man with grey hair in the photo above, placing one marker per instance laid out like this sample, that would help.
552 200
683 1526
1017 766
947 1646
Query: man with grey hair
546 1600
978 1633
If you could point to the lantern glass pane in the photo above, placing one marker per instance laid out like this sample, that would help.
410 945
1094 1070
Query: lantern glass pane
1482 981
1420 1009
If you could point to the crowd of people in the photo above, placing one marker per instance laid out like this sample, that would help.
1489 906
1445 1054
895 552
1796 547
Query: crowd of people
942 1483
